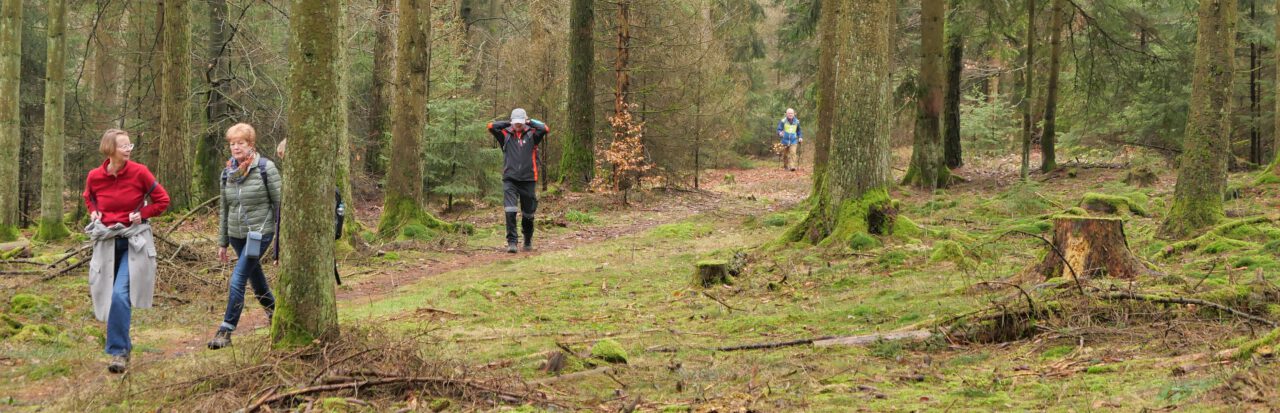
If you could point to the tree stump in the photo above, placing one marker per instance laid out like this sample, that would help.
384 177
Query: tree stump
1090 247
710 273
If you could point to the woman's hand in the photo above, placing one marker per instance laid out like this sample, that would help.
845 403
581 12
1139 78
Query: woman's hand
135 217
222 254
95 216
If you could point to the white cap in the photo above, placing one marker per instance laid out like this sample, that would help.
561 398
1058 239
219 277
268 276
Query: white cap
518 116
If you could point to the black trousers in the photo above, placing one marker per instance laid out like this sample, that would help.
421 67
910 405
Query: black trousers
522 197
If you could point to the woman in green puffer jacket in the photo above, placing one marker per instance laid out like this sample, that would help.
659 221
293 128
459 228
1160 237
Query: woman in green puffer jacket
249 207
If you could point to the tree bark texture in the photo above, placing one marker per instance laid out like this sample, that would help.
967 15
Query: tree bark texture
859 159
577 162
380 91
928 168
1202 176
1047 159
307 307
173 159
52 174
10 116
1028 89
413 69
951 102
218 114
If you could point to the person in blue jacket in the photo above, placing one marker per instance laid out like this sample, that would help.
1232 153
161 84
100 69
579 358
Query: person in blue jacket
789 133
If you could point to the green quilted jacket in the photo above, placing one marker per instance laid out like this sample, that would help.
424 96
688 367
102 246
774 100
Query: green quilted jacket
245 205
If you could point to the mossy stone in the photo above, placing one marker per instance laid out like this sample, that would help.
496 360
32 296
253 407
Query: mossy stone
863 241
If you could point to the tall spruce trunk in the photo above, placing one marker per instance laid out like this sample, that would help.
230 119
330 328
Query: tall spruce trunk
820 220
380 91
173 163
952 150
1047 142
403 202
1028 89
928 168
217 110
107 90
52 174
351 228
307 307
1202 175
10 116
1275 145
577 160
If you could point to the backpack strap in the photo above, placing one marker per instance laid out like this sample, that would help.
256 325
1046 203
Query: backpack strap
262 171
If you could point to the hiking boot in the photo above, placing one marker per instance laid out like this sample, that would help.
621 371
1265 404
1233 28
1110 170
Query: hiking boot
220 339
270 314
511 247
119 363
528 246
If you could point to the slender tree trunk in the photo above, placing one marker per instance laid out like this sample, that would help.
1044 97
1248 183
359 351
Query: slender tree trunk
951 103
820 220
52 175
403 202
1275 146
928 168
351 228
1047 142
1202 177
217 75
106 85
307 307
622 62
10 116
1255 92
173 159
1028 88
577 161
380 94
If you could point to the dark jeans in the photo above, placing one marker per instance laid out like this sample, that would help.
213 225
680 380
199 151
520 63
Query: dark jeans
121 313
519 196
247 270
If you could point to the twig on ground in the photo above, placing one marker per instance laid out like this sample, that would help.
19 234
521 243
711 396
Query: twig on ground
1187 301
184 217
726 305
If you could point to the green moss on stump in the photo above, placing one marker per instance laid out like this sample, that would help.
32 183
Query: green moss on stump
1112 204
609 351
403 212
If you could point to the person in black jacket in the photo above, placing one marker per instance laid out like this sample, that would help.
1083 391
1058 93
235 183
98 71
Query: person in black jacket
519 139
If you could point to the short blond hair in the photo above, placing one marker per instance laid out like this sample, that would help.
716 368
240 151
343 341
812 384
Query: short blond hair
108 144
243 131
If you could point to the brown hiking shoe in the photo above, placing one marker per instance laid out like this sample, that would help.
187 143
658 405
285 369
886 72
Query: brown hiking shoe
119 363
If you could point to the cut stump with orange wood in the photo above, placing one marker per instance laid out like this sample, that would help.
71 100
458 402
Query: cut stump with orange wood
1090 247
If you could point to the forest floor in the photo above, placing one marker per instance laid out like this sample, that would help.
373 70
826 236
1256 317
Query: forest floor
623 273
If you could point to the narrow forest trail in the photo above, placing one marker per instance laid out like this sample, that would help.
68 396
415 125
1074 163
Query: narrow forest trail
163 340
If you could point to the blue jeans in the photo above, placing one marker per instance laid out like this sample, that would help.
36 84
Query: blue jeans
118 317
247 270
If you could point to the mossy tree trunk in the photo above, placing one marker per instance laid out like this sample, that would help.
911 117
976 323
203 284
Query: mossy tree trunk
52 175
307 307
928 169
577 160
856 176
1275 146
403 202
951 102
818 223
172 159
1028 89
380 90
1047 142
10 116
1202 176
209 158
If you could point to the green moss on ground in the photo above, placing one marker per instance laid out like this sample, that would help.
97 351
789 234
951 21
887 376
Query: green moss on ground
1113 204
609 351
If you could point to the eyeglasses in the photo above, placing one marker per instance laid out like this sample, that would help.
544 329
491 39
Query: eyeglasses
127 147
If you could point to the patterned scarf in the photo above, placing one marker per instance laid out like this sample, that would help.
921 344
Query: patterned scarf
238 171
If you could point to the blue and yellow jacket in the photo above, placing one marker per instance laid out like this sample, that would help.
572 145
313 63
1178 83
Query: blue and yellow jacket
790 131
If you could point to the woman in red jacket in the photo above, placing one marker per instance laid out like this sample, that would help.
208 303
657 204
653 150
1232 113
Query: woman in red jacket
122 270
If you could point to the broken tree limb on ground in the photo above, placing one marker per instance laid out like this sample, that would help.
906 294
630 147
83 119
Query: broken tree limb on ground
1186 301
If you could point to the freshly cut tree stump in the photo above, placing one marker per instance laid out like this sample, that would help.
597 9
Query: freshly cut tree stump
1090 247
711 272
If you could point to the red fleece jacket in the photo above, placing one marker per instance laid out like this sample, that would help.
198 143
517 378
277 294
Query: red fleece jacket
116 196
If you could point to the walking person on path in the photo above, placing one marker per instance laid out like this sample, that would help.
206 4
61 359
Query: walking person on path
519 139
247 222
789 133
122 272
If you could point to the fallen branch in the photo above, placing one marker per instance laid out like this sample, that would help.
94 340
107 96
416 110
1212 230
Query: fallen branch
22 272
20 261
184 217
571 376
780 344
912 335
64 258
68 269
1188 301
726 305
357 385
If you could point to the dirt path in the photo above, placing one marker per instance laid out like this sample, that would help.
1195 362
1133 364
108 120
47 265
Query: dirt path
783 188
